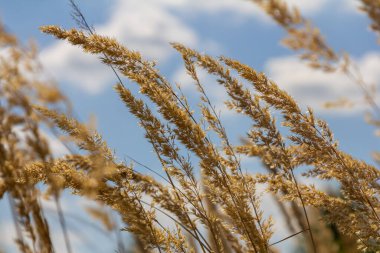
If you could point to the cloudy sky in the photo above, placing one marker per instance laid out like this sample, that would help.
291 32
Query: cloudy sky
235 28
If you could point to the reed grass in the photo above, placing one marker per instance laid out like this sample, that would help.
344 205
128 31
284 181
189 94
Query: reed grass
213 203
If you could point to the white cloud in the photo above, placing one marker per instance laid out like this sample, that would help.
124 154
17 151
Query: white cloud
314 88
239 9
181 77
308 6
56 146
148 26
70 65
8 236
242 7
351 5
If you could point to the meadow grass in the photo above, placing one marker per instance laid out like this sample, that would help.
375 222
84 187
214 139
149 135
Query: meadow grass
213 203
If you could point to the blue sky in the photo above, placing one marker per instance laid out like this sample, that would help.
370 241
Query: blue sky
219 27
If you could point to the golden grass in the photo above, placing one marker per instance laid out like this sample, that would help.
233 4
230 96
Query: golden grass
214 204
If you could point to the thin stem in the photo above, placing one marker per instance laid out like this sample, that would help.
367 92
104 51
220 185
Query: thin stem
304 211
149 223
14 218
62 222
358 79
288 237
173 219
146 167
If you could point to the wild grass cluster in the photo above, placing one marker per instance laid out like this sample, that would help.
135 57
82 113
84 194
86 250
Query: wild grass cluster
214 204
